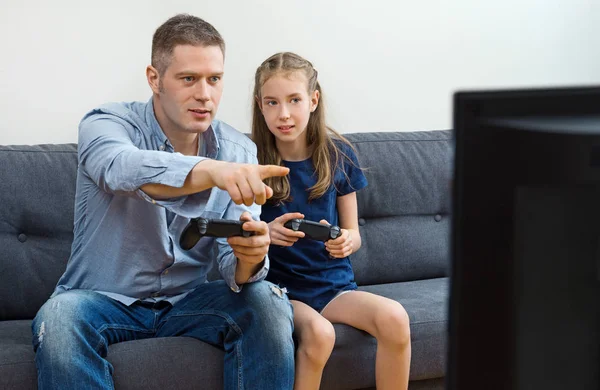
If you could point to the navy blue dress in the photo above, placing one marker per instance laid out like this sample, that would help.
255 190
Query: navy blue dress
305 268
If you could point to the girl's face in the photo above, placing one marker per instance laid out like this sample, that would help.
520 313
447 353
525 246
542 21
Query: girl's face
286 106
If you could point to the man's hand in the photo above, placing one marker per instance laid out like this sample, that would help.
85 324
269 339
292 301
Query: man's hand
250 251
244 182
280 235
341 246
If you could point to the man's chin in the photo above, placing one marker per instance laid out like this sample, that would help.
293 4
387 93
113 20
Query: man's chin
199 127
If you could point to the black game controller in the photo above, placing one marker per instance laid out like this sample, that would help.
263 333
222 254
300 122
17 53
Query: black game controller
314 230
201 227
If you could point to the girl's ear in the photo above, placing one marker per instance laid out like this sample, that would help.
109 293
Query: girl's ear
314 100
258 101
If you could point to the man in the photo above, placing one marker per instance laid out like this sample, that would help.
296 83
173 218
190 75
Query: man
144 170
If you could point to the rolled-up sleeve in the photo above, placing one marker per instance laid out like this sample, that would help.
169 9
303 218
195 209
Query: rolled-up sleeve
109 156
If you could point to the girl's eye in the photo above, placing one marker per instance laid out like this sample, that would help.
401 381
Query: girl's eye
271 103
296 100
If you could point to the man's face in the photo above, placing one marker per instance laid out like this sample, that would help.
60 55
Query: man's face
187 95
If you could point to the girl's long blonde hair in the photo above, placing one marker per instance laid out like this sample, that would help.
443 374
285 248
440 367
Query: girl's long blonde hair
326 155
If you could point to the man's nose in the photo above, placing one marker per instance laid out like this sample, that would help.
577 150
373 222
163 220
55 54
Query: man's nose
201 92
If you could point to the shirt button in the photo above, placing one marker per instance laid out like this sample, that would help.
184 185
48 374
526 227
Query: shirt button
161 147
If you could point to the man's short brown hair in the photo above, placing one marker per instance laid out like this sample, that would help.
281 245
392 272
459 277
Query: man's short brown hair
182 29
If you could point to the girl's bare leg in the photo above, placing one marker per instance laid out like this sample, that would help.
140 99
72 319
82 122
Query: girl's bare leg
388 322
316 338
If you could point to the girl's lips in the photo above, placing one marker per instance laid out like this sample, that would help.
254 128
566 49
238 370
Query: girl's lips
285 128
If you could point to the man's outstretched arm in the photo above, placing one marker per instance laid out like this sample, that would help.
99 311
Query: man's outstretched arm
243 182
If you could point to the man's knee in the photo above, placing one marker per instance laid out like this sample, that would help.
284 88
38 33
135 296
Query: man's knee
59 317
267 297
68 306
271 307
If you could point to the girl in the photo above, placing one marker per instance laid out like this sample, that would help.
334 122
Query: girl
289 129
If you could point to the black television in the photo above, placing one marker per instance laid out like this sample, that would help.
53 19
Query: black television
524 307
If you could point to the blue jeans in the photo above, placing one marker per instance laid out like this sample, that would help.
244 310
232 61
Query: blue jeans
72 332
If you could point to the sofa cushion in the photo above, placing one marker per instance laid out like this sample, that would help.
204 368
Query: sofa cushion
17 367
404 211
36 224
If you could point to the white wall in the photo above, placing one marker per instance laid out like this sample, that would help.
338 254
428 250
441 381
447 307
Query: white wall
383 64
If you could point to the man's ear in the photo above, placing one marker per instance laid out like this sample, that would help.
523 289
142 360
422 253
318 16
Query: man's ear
153 79
314 100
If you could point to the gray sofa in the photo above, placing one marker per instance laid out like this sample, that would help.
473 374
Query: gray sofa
405 225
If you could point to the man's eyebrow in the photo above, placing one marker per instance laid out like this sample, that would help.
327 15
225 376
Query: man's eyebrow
192 73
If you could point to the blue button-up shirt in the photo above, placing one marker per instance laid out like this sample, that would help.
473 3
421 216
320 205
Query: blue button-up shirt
126 244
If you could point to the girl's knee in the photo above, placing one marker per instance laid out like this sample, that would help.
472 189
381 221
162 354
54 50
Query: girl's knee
317 340
322 331
393 325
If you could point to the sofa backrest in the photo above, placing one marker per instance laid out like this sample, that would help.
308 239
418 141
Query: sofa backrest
403 214
404 211
37 191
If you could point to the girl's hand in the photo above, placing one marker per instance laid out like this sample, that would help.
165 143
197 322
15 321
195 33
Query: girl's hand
340 247
282 236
